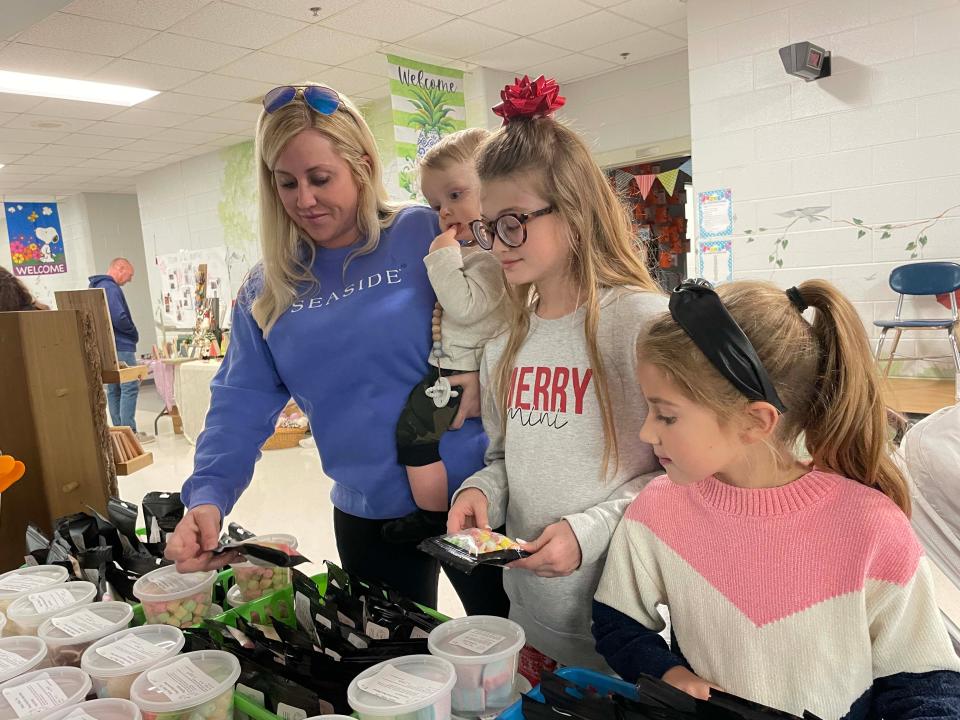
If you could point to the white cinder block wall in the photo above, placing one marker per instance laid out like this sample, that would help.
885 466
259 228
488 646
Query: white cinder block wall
879 142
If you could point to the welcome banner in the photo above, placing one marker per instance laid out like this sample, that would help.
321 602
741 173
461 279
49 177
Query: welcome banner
36 240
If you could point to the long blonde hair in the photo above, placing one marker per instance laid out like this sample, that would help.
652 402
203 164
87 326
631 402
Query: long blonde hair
287 256
602 249
824 372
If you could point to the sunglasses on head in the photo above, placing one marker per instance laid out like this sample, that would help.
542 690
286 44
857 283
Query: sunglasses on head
317 97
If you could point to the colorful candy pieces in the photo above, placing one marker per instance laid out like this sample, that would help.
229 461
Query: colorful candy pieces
183 612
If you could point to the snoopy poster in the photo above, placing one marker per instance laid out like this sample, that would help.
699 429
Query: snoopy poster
36 241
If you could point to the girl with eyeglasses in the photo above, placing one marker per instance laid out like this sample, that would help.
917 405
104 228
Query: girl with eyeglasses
338 316
559 470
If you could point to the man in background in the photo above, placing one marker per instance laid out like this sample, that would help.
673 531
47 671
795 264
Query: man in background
122 398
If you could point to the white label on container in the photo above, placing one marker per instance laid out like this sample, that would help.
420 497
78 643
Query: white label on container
9 660
168 583
19 583
130 650
477 641
289 712
419 634
399 687
35 697
182 680
51 600
81 622
376 632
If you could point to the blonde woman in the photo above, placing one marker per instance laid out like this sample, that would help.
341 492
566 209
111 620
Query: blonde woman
338 316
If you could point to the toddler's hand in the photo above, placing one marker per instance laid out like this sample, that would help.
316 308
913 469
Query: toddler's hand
556 553
691 684
448 238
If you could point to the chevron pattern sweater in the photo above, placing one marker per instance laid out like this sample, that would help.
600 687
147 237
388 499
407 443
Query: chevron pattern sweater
814 595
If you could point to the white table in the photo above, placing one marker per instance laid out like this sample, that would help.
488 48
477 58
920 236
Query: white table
192 391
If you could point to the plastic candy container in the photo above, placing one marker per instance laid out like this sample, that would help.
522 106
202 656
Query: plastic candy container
26 614
255 578
42 691
98 710
17 583
193 686
114 662
19 655
415 687
172 598
69 633
485 651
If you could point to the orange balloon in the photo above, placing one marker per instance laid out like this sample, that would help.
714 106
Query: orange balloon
11 477
6 464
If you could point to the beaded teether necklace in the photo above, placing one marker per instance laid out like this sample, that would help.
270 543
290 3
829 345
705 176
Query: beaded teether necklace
441 391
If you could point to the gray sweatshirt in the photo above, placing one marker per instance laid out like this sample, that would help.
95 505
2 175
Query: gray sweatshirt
469 287
549 466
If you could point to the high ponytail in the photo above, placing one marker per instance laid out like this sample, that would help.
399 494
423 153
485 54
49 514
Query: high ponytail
847 427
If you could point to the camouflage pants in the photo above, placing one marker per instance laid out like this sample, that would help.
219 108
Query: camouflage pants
422 423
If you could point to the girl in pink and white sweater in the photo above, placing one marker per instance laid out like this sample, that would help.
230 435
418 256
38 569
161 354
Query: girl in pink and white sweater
800 586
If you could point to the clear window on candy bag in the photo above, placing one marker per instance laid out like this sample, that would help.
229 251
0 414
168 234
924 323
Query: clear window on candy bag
468 549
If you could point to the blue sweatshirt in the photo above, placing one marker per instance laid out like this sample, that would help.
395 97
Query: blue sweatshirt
124 331
349 352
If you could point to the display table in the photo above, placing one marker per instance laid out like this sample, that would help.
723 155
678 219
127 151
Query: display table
191 388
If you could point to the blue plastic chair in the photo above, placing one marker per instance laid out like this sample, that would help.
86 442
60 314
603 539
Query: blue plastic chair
922 278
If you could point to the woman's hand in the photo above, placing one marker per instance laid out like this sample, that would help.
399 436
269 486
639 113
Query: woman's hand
448 238
468 511
556 553
691 684
194 538
469 384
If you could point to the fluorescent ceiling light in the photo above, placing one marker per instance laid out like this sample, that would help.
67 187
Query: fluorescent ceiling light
67 89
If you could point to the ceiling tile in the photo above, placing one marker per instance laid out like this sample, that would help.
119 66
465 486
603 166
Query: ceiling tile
235 25
76 109
20 57
517 54
8 147
74 173
18 103
180 135
374 63
273 69
678 28
6 117
459 38
323 45
137 156
28 171
68 151
45 164
390 21
219 125
19 180
531 15
642 46
30 136
226 88
74 32
423 56
652 12
99 162
155 118
225 141
297 9
98 141
248 112
142 13
604 3
185 52
119 130
157 146
590 31
457 7
46 122
571 67
349 82
8 158
180 102
142 74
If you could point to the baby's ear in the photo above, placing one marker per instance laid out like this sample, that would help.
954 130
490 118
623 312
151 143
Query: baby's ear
759 422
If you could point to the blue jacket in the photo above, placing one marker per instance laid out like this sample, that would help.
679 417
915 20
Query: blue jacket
124 331
349 352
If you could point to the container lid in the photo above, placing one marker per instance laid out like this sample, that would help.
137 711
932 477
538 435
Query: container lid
167 584
476 640
235 597
271 540
40 691
33 608
15 583
185 681
402 685
86 623
105 709
19 655
132 651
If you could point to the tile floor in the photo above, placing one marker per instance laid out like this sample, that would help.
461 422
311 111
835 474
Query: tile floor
289 492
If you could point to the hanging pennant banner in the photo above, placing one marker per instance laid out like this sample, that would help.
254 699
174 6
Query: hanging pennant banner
645 182
622 180
687 167
669 180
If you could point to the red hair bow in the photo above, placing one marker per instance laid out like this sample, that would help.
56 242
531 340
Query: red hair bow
526 99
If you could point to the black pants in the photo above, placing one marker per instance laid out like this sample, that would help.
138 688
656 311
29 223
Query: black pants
366 554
